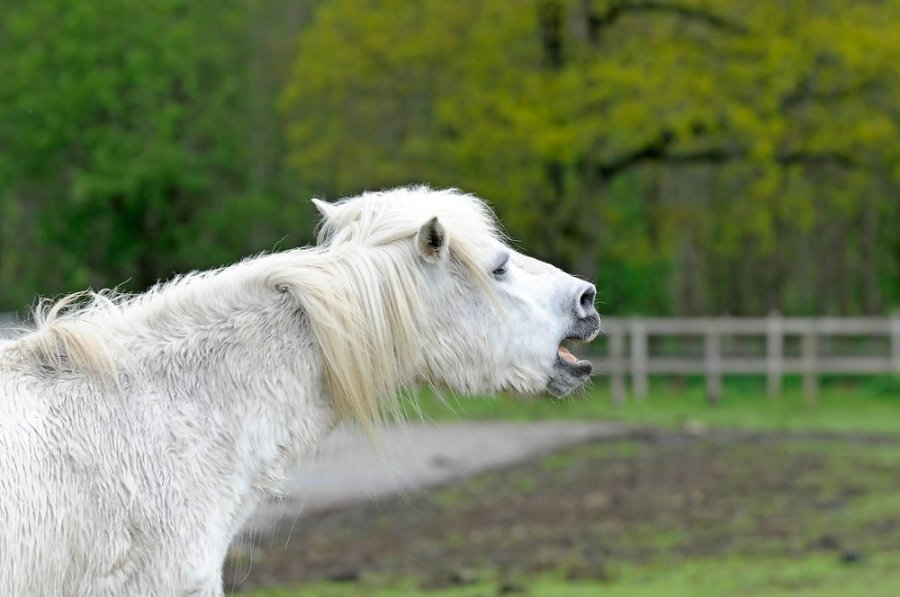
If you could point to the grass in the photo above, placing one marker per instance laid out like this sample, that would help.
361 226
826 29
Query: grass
844 405
761 568
817 575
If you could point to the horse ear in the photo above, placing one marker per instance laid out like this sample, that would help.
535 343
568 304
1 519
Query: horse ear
325 209
431 240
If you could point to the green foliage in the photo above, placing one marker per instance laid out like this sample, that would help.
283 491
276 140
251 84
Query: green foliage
692 156
132 143
731 157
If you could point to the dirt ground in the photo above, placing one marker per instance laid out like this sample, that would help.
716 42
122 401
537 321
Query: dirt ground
584 510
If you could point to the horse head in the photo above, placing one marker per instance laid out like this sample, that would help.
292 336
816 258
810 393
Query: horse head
494 319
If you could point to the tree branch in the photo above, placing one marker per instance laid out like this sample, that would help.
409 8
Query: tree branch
660 151
598 21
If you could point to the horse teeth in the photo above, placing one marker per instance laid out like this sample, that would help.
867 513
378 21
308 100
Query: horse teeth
566 355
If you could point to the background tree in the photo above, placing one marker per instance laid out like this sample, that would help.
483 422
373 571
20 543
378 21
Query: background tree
695 156
138 138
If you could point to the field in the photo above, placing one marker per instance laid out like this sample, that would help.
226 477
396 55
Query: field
753 497
844 404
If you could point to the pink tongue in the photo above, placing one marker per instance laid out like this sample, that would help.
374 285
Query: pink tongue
566 355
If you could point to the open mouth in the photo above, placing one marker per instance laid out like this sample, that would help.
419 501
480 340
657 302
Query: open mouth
569 372
567 360
566 355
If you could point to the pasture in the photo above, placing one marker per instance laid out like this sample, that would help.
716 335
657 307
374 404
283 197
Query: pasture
844 404
753 497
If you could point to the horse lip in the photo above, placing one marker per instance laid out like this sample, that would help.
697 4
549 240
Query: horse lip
585 329
568 376
580 368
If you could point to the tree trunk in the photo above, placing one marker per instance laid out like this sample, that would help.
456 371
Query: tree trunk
873 303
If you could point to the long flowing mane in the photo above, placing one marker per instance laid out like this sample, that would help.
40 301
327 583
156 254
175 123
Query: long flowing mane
360 290
139 432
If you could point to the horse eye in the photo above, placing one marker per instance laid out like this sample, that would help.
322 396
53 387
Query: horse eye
500 271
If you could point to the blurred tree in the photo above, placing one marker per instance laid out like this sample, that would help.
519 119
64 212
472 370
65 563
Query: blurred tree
695 156
138 138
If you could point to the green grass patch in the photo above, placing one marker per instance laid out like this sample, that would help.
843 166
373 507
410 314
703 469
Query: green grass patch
869 405
820 575
702 514
694 516
566 458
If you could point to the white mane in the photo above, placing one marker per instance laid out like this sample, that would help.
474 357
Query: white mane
360 290
138 433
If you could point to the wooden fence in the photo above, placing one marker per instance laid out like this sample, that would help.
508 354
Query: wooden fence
783 346
747 346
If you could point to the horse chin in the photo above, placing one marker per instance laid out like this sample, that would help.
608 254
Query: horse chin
568 375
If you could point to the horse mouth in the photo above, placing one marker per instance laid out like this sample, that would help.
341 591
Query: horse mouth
570 362
569 372
566 355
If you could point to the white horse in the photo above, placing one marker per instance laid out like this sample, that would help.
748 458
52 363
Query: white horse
137 434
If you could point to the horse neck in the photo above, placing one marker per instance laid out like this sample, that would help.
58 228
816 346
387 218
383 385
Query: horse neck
223 348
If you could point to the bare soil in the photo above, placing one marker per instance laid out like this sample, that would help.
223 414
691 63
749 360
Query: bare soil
584 510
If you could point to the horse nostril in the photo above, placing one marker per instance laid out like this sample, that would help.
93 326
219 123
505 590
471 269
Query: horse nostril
587 298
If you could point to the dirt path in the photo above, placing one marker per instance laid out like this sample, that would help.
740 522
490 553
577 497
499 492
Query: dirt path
412 458
626 497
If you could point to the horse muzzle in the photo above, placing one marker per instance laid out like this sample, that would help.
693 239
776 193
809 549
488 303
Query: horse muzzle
570 372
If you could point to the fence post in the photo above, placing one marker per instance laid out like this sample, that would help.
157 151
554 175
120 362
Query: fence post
713 364
810 374
616 363
774 354
895 341
638 359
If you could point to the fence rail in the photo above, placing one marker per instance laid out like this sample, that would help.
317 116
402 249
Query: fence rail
628 350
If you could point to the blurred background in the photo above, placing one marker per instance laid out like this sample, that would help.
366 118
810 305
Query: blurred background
694 157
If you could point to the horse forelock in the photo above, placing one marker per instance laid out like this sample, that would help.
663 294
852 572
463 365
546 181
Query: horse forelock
382 217
379 218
